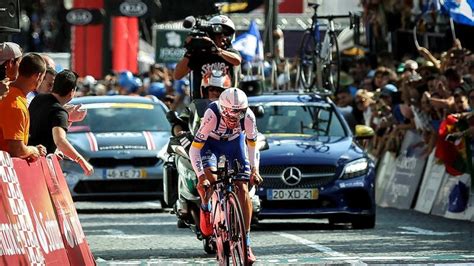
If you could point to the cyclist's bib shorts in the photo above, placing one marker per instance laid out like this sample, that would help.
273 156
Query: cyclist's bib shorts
232 149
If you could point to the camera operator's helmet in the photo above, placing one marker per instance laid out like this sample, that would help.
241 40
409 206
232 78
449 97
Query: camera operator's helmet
233 104
217 79
228 27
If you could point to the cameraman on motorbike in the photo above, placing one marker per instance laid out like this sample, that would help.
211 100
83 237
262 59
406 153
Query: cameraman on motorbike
212 85
227 124
207 51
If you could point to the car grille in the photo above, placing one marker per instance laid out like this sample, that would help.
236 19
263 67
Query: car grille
299 204
108 162
312 176
118 186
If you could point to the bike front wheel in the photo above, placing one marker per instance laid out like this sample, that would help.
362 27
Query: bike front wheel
307 62
332 67
236 230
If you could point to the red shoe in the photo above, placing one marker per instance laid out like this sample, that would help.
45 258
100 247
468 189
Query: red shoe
250 256
205 223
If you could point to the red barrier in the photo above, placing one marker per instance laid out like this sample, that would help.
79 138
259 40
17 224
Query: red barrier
32 231
74 239
12 250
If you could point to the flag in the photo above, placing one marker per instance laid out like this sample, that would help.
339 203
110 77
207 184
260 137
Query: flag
461 11
250 44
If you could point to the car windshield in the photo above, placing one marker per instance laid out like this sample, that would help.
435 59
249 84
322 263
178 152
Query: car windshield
282 118
122 117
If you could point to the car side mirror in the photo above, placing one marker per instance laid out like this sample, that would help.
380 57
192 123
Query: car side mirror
364 132
259 111
262 143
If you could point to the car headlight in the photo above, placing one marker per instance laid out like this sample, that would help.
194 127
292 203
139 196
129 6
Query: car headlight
355 168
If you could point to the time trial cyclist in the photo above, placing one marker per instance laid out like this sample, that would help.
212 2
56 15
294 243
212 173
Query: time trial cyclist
227 128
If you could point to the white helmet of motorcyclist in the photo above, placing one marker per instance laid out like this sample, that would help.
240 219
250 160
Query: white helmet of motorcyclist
233 104
216 79
228 27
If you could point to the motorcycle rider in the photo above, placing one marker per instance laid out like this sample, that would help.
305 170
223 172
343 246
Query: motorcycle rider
227 123
212 85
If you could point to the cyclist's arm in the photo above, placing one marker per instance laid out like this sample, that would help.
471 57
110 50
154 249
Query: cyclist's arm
251 137
208 124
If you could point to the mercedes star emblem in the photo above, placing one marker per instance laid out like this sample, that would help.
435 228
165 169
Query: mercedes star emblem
291 176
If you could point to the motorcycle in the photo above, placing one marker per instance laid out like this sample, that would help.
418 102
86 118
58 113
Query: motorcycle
179 181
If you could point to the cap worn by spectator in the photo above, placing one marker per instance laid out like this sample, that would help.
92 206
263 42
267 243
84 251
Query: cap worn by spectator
89 81
388 90
401 68
345 79
411 65
8 51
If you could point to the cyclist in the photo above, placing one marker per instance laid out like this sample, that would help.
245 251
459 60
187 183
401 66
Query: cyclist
225 126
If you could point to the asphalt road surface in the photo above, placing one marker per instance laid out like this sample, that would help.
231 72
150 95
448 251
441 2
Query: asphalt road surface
400 237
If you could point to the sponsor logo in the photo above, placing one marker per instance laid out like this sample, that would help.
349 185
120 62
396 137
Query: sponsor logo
79 17
173 39
133 8
291 176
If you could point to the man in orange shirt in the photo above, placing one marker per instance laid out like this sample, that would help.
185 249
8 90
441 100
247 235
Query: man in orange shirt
15 118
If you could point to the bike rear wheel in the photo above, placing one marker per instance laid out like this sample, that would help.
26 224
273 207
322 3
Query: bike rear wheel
332 67
236 230
307 63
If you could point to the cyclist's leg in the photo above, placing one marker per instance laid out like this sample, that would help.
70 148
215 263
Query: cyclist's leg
243 192
205 190
209 160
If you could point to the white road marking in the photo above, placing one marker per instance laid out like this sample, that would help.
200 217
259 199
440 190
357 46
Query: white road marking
107 231
394 258
113 233
91 224
321 248
419 231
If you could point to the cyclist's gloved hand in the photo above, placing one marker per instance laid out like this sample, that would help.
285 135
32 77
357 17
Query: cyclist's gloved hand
255 178
203 183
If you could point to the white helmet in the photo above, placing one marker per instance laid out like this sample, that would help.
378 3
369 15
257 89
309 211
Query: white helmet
227 24
233 105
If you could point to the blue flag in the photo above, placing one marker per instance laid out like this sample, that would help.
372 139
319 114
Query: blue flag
461 11
250 44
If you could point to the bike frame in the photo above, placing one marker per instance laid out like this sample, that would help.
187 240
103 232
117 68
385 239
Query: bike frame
222 188
323 48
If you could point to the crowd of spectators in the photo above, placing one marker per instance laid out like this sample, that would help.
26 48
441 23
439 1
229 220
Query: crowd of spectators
416 93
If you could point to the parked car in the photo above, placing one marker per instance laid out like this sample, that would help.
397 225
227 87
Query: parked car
313 166
125 139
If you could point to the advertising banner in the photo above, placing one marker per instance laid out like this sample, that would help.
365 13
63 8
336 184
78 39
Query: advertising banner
15 223
430 185
385 172
38 203
30 216
400 191
440 206
169 45
73 237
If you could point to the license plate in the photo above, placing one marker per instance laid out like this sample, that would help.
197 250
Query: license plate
124 173
292 194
